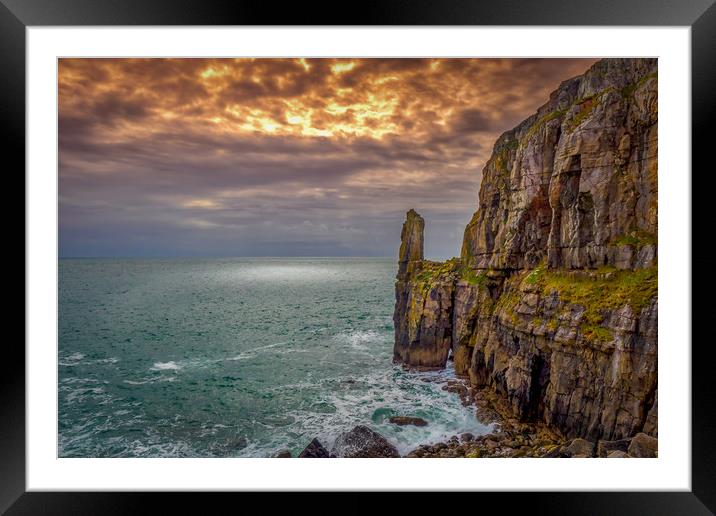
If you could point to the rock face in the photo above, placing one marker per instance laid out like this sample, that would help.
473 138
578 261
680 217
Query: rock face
575 183
363 442
411 242
553 302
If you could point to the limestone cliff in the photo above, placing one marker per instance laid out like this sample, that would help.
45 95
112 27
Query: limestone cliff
576 182
553 302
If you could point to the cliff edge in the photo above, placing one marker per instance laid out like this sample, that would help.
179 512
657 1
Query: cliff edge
553 301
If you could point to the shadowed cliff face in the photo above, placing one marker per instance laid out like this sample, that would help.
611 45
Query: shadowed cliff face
553 303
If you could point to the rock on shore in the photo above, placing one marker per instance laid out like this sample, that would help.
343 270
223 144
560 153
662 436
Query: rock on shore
314 450
407 420
363 442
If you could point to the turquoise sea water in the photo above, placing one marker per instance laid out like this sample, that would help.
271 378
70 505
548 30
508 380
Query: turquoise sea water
235 357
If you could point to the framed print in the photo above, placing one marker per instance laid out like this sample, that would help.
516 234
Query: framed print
429 239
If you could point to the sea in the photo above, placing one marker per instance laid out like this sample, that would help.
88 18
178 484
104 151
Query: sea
237 357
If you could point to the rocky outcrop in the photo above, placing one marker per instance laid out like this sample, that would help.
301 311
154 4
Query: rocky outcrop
422 317
363 442
553 302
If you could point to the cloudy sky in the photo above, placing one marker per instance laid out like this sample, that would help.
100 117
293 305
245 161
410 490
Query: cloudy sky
281 157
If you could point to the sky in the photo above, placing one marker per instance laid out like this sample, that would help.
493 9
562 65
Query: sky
281 157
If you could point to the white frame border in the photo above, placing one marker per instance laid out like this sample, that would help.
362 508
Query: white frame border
671 471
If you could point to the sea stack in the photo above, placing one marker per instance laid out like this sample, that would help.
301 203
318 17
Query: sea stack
411 242
422 337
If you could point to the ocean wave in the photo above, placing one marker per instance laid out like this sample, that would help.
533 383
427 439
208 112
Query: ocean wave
166 366
150 380
250 353
72 359
386 393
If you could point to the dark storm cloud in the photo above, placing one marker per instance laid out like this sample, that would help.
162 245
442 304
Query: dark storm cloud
281 157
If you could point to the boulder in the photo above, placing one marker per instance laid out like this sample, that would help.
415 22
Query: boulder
554 453
314 450
604 448
408 420
618 454
364 442
580 447
283 454
643 446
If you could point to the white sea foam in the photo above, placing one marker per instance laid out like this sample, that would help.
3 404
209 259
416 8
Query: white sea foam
359 340
250 353
396 393
150 380
166 366
72 360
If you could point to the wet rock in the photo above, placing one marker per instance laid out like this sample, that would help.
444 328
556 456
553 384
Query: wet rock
241 443
408 420
491 445
466 437
314 450
618 454
363 442
283 454
643 446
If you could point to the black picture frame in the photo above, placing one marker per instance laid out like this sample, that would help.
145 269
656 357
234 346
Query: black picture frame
17 15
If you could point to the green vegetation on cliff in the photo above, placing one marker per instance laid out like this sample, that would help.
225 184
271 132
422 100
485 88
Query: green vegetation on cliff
629 90
605 289
449 270
636 238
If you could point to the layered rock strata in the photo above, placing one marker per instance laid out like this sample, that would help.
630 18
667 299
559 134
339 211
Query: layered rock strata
553 301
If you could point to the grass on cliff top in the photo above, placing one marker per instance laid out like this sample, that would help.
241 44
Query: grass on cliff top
607 288
453 268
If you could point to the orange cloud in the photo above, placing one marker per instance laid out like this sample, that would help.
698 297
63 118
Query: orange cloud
222 155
